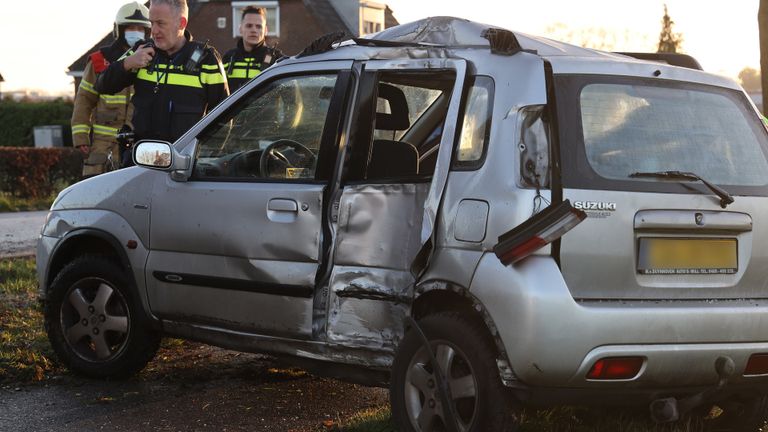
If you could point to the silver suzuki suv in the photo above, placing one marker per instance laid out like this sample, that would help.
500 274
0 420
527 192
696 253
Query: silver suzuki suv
481 219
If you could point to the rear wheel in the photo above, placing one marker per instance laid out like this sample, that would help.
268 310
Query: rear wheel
95 322
466 356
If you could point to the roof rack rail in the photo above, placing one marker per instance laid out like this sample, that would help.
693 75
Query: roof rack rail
674 59
322 44
390 44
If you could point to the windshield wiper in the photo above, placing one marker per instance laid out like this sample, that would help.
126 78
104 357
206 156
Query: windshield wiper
725 197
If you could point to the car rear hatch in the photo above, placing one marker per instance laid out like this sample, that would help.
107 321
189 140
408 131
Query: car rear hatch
654 163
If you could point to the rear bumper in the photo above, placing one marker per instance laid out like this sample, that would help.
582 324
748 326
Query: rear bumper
552 340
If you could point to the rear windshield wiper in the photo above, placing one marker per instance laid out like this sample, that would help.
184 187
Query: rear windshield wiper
725 197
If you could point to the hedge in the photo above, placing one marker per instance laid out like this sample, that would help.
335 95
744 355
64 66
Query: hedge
18 119
36 172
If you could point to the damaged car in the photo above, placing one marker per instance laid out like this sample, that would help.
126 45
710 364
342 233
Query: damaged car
480 219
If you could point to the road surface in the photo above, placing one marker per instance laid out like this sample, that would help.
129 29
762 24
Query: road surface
19 231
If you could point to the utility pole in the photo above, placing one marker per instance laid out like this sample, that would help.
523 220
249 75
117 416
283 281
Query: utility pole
762 22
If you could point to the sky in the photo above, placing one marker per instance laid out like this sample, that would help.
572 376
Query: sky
40 39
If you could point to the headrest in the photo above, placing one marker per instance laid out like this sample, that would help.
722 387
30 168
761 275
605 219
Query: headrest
398 106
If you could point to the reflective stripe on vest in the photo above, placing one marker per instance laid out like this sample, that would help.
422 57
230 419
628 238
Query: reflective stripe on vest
81 129
170 78
104 130
243 73
85 85
113 99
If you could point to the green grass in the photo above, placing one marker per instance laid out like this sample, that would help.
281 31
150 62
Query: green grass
10 203
25 354
369 420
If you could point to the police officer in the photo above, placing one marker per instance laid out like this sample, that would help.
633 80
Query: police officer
252 55
176 80
97 117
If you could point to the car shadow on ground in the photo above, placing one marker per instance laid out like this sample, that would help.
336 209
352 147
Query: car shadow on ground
189 386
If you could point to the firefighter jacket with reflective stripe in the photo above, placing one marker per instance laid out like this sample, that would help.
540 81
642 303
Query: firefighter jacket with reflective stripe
242 65
172 93
96 117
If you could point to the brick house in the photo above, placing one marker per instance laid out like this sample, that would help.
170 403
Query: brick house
292 24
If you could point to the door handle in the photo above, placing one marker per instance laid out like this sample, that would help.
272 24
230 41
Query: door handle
283 205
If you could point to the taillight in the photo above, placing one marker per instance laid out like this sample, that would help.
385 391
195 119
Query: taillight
616 368
757 365
541 229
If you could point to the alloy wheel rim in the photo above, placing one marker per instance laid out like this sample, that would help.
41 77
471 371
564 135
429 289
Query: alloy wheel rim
422 397
95 320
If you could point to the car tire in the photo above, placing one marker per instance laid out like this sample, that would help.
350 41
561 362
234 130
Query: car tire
747 414
95 321
467 356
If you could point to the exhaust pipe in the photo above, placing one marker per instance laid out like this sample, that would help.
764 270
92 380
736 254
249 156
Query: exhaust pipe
670 409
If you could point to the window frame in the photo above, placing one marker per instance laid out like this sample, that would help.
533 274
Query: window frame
330 137
576 170
363 134
472 165
269 5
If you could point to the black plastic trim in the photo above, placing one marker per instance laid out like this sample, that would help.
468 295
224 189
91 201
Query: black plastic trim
300 291
88 232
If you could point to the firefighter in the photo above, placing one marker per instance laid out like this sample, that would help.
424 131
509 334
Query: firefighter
251 55
97 117
176 80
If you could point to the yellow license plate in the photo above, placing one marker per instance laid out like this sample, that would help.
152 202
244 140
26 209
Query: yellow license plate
687 256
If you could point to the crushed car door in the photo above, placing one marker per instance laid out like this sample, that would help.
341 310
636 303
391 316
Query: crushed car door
406 112
238 245
672 176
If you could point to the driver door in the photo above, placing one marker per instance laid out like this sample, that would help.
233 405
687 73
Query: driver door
238 245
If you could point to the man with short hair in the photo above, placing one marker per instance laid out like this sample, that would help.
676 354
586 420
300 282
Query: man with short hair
252 55
96 117
176 80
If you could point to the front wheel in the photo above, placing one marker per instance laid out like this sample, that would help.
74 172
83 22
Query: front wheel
95 322
466 356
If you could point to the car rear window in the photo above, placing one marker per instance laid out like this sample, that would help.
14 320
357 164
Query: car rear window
637 128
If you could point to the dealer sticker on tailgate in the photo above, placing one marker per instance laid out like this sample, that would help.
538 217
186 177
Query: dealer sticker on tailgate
687 256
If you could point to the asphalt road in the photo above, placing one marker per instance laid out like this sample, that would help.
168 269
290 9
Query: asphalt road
193 387
19 232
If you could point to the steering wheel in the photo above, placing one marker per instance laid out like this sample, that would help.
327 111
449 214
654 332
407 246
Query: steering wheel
299 157
244 164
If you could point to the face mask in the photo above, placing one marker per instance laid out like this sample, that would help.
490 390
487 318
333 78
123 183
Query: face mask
133 36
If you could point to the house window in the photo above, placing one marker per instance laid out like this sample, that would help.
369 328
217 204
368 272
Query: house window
273 16
371 27
371 18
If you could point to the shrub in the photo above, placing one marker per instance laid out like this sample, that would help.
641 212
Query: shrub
34 172
17 119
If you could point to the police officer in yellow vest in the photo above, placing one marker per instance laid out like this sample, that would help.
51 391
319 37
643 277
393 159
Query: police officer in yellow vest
252 55
176 80
97 117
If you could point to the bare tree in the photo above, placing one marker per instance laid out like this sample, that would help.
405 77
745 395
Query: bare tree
762 21
669 41
750 79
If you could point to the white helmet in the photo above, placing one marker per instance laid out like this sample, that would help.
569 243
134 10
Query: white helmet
131 13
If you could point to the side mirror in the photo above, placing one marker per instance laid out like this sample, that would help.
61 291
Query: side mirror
153 154
161 155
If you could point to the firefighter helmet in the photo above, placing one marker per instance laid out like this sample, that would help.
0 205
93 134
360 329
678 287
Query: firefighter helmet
131 13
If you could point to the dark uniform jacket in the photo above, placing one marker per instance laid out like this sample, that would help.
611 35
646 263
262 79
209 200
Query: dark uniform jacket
242 65
169 96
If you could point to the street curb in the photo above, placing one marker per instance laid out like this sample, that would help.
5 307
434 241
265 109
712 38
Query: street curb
24 253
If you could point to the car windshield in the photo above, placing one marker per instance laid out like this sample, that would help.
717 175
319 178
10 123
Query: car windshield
632 128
